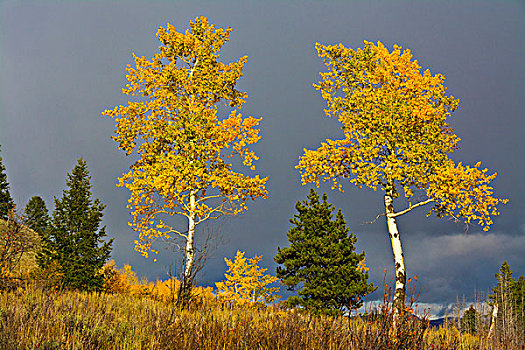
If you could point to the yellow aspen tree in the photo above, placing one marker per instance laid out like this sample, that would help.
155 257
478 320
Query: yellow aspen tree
246 282
396 139
181 143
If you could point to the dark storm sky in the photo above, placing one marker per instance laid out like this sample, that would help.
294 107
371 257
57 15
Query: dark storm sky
62 64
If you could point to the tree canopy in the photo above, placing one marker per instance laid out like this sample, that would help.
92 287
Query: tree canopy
36 215
396 133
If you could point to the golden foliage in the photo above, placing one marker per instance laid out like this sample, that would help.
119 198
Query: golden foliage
118 280
246 282
50 275
183 147
396 134
125 281
463 191
361 266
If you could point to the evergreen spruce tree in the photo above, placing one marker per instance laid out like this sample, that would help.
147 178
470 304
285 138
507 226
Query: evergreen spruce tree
502 292
36 215
74 241
509 295
6 202
321 262
37 218
468 321
518 292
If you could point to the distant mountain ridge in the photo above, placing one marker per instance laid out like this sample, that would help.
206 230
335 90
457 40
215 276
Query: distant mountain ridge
436 323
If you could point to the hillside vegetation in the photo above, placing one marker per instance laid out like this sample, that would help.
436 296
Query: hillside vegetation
19 244
32 318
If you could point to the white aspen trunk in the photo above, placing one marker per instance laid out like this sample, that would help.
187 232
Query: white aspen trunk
397 249
190 253
190 250
493 320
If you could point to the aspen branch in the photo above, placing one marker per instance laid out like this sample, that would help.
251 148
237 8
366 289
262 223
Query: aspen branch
185 207
410 208
177 232
208 215
185 61
371 222
170 213
194 66
209 197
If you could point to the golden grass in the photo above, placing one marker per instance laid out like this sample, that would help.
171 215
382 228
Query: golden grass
32 318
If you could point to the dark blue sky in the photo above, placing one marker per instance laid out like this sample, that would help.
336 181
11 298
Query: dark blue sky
62 64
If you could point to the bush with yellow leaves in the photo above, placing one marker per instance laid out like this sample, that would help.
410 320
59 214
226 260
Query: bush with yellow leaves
125 281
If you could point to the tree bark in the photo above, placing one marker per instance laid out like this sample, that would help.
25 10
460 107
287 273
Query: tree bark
492 329
397 249
185 290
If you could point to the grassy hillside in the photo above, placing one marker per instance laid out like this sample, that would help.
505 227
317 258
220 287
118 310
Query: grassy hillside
138 315
32 242
32 318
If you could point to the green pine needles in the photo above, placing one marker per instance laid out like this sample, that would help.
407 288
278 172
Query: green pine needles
73 242
321 263
6 202
36 216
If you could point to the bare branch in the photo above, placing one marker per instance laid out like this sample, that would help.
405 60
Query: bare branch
176 232
371 222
